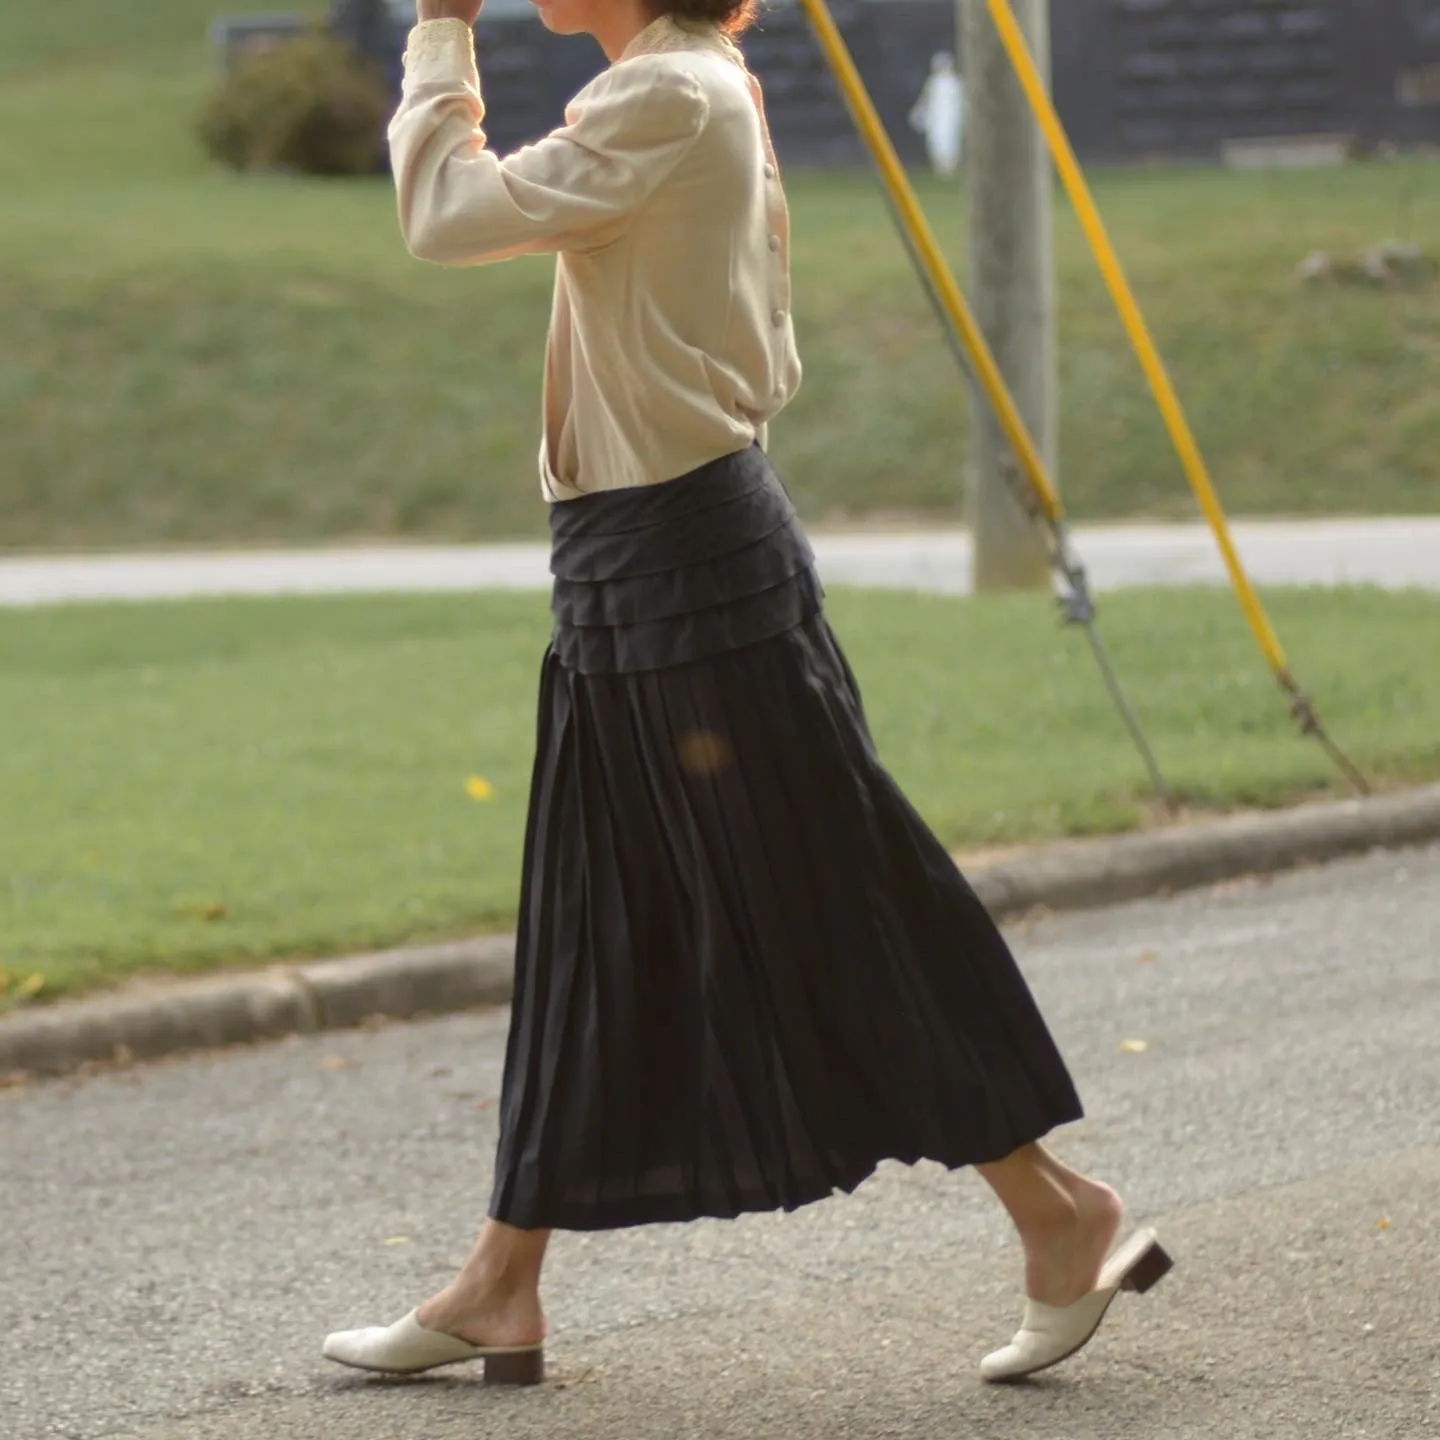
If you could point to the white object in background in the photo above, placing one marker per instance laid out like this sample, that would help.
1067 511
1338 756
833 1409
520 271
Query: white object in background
939 115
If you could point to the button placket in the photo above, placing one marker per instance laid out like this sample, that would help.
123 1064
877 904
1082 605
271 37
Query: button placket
779 220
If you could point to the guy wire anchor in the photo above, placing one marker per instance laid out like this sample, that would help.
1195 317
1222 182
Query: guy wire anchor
1077 607
1303 712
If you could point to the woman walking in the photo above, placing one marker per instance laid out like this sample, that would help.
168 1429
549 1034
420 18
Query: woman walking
746 971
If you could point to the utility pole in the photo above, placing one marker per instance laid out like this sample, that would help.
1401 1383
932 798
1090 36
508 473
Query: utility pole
1011 285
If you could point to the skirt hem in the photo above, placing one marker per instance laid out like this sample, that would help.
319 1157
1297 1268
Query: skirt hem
630 1213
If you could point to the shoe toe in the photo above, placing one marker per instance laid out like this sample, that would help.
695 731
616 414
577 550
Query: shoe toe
1006 1363
347 1346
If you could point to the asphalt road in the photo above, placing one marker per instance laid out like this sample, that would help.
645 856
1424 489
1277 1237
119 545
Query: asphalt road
175 1240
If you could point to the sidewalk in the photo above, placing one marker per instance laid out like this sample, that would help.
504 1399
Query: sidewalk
1394 552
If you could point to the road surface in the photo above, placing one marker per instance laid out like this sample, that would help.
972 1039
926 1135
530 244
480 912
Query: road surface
178 1238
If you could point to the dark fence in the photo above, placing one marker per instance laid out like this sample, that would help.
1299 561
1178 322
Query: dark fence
1133 78
1182 77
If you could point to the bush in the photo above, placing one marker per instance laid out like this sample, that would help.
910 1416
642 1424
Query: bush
311 104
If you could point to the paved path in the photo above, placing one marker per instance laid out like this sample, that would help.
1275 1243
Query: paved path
1392 552
177 1239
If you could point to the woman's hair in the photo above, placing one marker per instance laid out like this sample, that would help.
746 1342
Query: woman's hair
734 17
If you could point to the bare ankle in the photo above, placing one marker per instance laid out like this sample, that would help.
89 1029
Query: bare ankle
1094 1200
486 1316
1048 1210
489 1274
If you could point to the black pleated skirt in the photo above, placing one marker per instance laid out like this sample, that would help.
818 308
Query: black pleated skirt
746 970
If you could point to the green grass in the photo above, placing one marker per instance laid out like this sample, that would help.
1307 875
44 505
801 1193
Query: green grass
192 357
190 785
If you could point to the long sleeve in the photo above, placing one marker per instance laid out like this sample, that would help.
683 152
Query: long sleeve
460 204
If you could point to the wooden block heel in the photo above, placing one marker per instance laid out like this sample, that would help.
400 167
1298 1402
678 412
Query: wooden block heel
519 1367
1149 1269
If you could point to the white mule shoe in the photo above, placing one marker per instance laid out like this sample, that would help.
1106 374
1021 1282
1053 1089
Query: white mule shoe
1049 1334
407 1348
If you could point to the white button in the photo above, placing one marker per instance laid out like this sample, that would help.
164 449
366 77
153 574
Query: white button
769 171
779 318
775 243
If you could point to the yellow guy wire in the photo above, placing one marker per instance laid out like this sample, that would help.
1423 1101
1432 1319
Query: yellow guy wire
928 251
963 327
1163 389
949 297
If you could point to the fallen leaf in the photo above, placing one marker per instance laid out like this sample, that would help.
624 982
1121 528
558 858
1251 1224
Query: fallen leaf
1237 886
1135 1047
1385 1223
591 1373
398 1240
336 1062
479 788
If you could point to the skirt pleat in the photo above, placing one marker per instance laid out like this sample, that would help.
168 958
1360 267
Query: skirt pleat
747 972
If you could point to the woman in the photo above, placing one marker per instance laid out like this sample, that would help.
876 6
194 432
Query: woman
746 971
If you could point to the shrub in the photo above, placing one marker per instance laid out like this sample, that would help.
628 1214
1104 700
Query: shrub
309 103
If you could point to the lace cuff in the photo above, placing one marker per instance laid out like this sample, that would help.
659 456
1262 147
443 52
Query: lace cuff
433 40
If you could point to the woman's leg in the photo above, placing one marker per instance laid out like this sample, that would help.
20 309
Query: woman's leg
495 1299
1067 1222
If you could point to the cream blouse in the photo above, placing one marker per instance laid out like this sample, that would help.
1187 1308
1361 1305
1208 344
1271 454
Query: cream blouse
671 341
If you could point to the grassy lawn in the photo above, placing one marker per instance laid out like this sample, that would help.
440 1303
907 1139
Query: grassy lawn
191 785
193 357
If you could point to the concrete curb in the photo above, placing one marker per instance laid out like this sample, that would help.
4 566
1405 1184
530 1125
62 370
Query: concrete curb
151 1021
154 1020
1079 874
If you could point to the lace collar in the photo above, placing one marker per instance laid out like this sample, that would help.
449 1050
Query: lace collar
668 33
